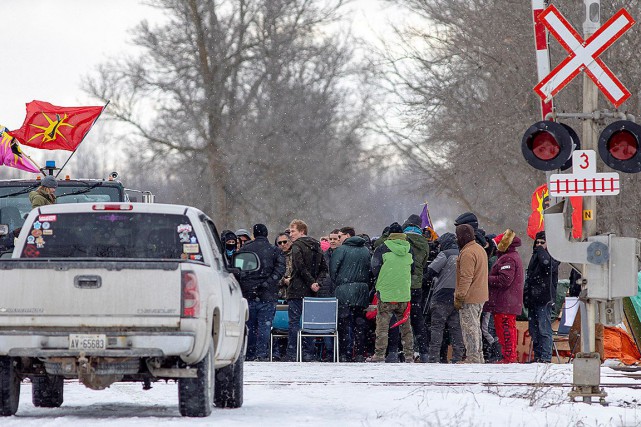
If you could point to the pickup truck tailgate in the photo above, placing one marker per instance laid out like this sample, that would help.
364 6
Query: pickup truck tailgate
107 294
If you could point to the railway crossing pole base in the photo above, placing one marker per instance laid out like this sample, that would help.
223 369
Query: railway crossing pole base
587 378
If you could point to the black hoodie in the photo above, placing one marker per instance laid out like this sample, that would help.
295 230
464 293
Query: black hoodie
308 266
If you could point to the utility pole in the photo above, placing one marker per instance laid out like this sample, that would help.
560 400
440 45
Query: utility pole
586 367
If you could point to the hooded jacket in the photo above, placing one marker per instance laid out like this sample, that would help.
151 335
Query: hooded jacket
542 277
350 271
506 280
308 267
262 285
471 268
392 266
443 270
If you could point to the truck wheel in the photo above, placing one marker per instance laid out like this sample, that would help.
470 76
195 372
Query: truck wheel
195 395
47 391
9 387
228 392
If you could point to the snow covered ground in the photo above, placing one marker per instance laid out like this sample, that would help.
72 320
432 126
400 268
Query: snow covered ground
326 394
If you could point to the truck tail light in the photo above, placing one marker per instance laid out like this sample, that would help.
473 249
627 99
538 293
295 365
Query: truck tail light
191 294
113 207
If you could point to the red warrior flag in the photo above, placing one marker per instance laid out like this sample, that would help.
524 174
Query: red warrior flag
541 201
55 128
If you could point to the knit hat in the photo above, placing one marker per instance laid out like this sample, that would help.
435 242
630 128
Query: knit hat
243 232
260 230
395 227
414 220
49 182
467 218
540 235
505 240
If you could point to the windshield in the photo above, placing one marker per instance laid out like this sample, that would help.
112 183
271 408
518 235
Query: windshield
15 204
108 234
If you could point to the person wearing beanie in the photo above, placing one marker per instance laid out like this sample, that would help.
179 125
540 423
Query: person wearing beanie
506 293
441 311
421 251
44 194
471 291
539 296
260 289
392 267
243 237
471 219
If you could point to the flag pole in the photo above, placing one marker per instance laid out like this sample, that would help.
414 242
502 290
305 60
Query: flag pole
83 138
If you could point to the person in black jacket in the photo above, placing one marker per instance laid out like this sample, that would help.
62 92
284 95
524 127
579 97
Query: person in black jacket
539 295
308 273
260 288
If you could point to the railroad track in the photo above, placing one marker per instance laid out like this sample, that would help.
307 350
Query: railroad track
433 383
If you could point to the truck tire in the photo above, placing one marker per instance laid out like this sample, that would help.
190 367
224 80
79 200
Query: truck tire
9 387
47 391
195 395
228 392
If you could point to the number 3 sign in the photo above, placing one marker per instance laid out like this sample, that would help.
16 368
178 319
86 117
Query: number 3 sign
584 179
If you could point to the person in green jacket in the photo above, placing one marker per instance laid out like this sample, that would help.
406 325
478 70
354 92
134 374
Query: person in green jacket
392 266
349 269
44 195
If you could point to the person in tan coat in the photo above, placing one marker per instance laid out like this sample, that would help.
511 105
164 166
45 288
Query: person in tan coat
471 291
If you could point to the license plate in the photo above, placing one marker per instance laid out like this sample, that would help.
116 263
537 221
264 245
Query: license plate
87 342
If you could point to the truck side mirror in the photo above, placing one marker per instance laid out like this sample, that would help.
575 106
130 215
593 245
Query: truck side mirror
245 261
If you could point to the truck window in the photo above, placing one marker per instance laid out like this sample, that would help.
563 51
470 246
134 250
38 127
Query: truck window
15 204
108 234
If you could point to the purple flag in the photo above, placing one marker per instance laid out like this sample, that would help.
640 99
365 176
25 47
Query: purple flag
426 221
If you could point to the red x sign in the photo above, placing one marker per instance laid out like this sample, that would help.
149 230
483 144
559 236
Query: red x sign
584 55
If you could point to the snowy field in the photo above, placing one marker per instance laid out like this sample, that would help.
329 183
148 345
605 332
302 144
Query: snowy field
325 394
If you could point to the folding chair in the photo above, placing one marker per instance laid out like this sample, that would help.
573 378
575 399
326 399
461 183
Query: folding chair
319 319
280 327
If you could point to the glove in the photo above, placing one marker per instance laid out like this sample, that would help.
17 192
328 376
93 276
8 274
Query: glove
458 303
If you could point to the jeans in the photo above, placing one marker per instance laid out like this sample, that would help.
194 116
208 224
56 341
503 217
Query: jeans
418 321
540 327
259 325
295 311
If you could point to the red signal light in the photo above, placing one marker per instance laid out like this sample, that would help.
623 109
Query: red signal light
548 145
623 145
620 146
545 146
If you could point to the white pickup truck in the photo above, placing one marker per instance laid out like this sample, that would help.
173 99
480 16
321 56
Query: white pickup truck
122 292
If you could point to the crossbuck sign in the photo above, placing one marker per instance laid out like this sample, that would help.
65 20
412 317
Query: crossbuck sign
584 55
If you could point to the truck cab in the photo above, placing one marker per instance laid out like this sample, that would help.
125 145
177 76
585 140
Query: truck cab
15 204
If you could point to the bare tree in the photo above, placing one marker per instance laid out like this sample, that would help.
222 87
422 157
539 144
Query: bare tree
240 103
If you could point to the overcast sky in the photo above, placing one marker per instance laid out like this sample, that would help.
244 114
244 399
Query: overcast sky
48 45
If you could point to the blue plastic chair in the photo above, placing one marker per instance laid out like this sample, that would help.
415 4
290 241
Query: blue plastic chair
319 319
280 326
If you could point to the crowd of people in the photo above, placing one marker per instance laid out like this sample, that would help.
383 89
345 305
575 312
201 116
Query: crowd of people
406 296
